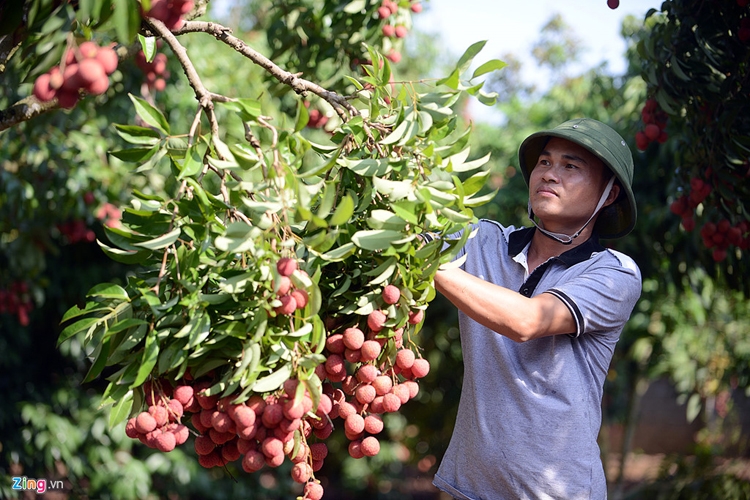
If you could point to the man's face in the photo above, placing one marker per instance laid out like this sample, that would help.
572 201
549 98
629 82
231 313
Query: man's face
565 185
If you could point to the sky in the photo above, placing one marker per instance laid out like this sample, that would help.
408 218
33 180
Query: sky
514 27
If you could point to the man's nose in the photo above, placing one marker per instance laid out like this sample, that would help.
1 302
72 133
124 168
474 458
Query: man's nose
551 174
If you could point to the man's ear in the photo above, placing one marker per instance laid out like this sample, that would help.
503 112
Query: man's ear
613 194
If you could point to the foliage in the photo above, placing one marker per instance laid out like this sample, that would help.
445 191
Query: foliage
695 64
215 209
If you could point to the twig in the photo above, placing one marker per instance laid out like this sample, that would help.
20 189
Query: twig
203 96
299 85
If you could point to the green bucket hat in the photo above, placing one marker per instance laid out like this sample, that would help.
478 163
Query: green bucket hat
618 219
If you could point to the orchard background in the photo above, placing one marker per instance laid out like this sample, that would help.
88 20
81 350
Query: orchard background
224 202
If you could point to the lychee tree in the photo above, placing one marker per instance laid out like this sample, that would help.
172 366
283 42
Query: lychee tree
694 62
264 252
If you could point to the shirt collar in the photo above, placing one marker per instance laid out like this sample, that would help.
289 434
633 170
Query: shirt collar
520 238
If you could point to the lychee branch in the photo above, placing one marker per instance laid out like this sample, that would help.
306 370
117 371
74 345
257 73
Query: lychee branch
299 85
205 98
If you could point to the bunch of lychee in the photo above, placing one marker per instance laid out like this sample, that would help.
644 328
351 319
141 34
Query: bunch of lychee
655 121
262 431
720 236
160 426
371 384
75 231
364 376
685 205
17 300
85 68
291 298
170 12
155 71
396 29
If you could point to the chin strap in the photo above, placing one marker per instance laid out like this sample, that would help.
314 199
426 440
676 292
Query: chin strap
567 239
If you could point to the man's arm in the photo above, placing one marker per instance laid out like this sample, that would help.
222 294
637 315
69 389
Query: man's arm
505 311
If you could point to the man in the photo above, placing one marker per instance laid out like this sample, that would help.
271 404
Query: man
540 311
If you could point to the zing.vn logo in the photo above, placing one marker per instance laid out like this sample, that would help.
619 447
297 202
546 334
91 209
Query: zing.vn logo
38 485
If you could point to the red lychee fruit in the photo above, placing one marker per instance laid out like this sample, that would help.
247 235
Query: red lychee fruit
300 298
353 338
382 385
160 415
166 442
288 305
335 343
286 266
370 446
42 89
130 429
285 284
253 461
391 403
313 491
416 316
376 319
391 294
204 445
145 422
365 394
367 373
373 424
370 350
652 131
301 472
420 368
107 57
354 449
405 358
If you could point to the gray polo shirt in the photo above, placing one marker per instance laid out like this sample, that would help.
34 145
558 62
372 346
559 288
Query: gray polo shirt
530 413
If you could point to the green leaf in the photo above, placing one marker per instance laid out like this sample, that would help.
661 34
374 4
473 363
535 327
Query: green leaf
302 117
466 59
134 155
150 114
121 409
75 328
355 6
148 44
384 219
274 380
488 99
75 311
367 167
148 361
376 239
343 212
108 291
452 80
693 407
247 109
394 190
124 256
127 20
162 241
489 66
193 163
138 135
101 354
339 253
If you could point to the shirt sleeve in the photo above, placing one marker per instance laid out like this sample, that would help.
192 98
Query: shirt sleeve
603 296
